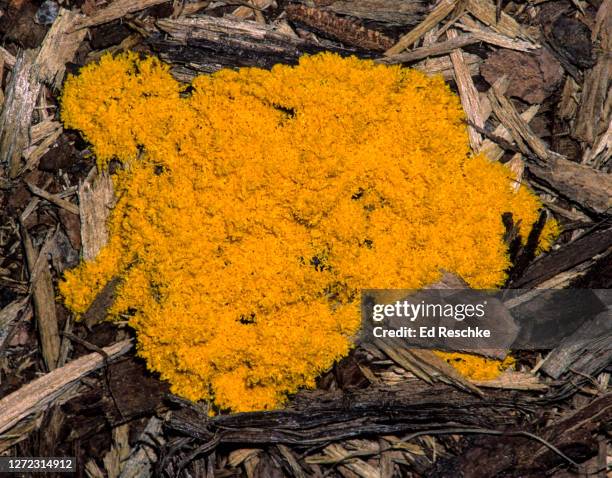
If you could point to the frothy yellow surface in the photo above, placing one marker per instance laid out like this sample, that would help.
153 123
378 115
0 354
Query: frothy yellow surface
254 206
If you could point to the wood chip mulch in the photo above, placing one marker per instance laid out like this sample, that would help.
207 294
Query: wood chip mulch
534 80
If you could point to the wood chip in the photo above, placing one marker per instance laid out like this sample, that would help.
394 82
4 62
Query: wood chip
43 296
8 315
577 254
96 199
59 47
39 393
120 450
443 66
21 95
7 57
439 13
520 131
143 456
594 114
492 38
247 12
345 30
434 49
389 12
467 93
486 12
47 64
510 380
570 96
44 129
572 354
589 188
53 198
491 149
517 166
116 9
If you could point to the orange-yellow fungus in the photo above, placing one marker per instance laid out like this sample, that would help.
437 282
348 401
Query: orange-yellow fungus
254 206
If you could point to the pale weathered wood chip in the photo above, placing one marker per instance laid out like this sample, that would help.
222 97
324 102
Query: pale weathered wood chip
20 99
96 199
116 9
53 198
434 49
491 149
493 38
44 301
526 140
486 12
467 93
439 13
143 457
39 393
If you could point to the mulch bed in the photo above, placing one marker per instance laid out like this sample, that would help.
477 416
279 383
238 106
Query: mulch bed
534 79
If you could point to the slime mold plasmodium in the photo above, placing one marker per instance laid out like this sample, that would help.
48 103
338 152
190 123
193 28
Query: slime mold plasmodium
254 205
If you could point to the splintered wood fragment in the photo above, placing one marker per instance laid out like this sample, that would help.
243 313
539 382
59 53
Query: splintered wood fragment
8 316
467 93
47 64
404 362
569 256
247 12
127 43
594 114
208 44
33 154
39 393
120 450
96 199
517 166
589 188
7 57
485 11
19 103
335 453
510 380
42 130
239 456
389 12
322 417
587 351
485 111
292 460
426 365
59 47
444 66
601 151
117 9
52 198
44 303
434 49
143 455
193 7
491 149
439 13
493 38
347 31
568 104
427 358
520 131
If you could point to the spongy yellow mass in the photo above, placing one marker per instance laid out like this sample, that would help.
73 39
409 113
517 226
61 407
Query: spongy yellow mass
253 207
